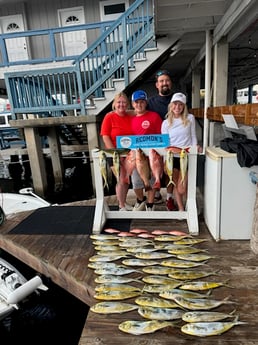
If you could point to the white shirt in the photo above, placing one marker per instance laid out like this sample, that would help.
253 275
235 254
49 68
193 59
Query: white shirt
180 135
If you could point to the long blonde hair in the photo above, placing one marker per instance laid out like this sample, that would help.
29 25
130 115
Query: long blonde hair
118 95
170 115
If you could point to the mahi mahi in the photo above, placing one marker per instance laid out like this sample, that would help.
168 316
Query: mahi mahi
142 327
109 307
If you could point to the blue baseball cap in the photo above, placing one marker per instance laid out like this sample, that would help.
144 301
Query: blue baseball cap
140 94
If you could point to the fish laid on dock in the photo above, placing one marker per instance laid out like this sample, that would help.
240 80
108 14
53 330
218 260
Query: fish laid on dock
116 287
172 293
109 307
206 316
203 285
152 301
110 278
142 327
205 329
116 295
155 313
200 303
190 274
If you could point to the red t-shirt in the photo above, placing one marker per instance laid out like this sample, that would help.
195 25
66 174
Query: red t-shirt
148 123
114 125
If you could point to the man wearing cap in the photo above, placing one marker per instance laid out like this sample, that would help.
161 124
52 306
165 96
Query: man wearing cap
160 102
144 122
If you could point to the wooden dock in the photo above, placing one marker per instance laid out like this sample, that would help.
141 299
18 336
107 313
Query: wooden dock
64 259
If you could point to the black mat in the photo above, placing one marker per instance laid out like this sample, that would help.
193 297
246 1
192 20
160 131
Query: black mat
59 220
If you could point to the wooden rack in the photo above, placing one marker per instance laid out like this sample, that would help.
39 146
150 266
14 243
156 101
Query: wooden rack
103 212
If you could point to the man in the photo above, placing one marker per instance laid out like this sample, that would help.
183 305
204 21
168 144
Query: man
159 103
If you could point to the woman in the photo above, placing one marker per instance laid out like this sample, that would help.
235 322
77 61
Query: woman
180 126
144 122
116 123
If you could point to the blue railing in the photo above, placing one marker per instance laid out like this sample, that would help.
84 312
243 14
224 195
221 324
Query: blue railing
52 91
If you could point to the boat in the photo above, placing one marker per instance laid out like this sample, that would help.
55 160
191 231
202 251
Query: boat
25 200
14 288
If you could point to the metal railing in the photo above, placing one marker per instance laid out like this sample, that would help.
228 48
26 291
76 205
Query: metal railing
50 92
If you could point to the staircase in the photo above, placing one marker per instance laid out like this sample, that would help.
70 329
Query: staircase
113 63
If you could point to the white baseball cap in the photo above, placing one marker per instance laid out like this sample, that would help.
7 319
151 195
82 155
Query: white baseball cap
180 97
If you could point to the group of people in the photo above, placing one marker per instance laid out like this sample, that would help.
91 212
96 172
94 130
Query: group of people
163 113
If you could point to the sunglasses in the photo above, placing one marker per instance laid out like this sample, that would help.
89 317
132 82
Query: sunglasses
162 72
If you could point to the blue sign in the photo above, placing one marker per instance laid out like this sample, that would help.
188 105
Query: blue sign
142 141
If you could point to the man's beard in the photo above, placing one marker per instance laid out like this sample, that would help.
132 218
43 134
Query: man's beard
165 91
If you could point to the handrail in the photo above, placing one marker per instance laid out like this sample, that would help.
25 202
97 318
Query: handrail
109 58
246 114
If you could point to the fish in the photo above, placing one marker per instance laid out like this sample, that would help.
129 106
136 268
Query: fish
185 250
111 231
183 164
168 167
206 316
116 165
143 168
118 270
181 263
105 242
139 262
104 168
168 238
179 233
115 287
155 313
115 252
195 257
202 285
190 241
110 278
106 258
147 249
176 149
205 329
134 242
106 248
157 269
200 303
142 327
171 293
157 288
116 295
108 307
101 264
190 274
103 237
159 232
154 255
152 301
156 166
129 164
145 235
159 279
138 231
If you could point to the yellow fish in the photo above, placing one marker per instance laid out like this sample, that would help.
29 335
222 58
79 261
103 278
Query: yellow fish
153 255
143 327
152 301
108 307
158 288
154 313
104 168
169 165
139 262
170 294
199 303
195 257
116 165
115 287
202 285
158 279
189 274
205 329
185 250
161 270
206 316
183 164
110 278
116 295
180 263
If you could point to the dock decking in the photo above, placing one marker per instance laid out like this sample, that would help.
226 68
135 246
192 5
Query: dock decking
64 258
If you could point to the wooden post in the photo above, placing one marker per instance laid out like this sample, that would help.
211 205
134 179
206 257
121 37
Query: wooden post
254 234
37 163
